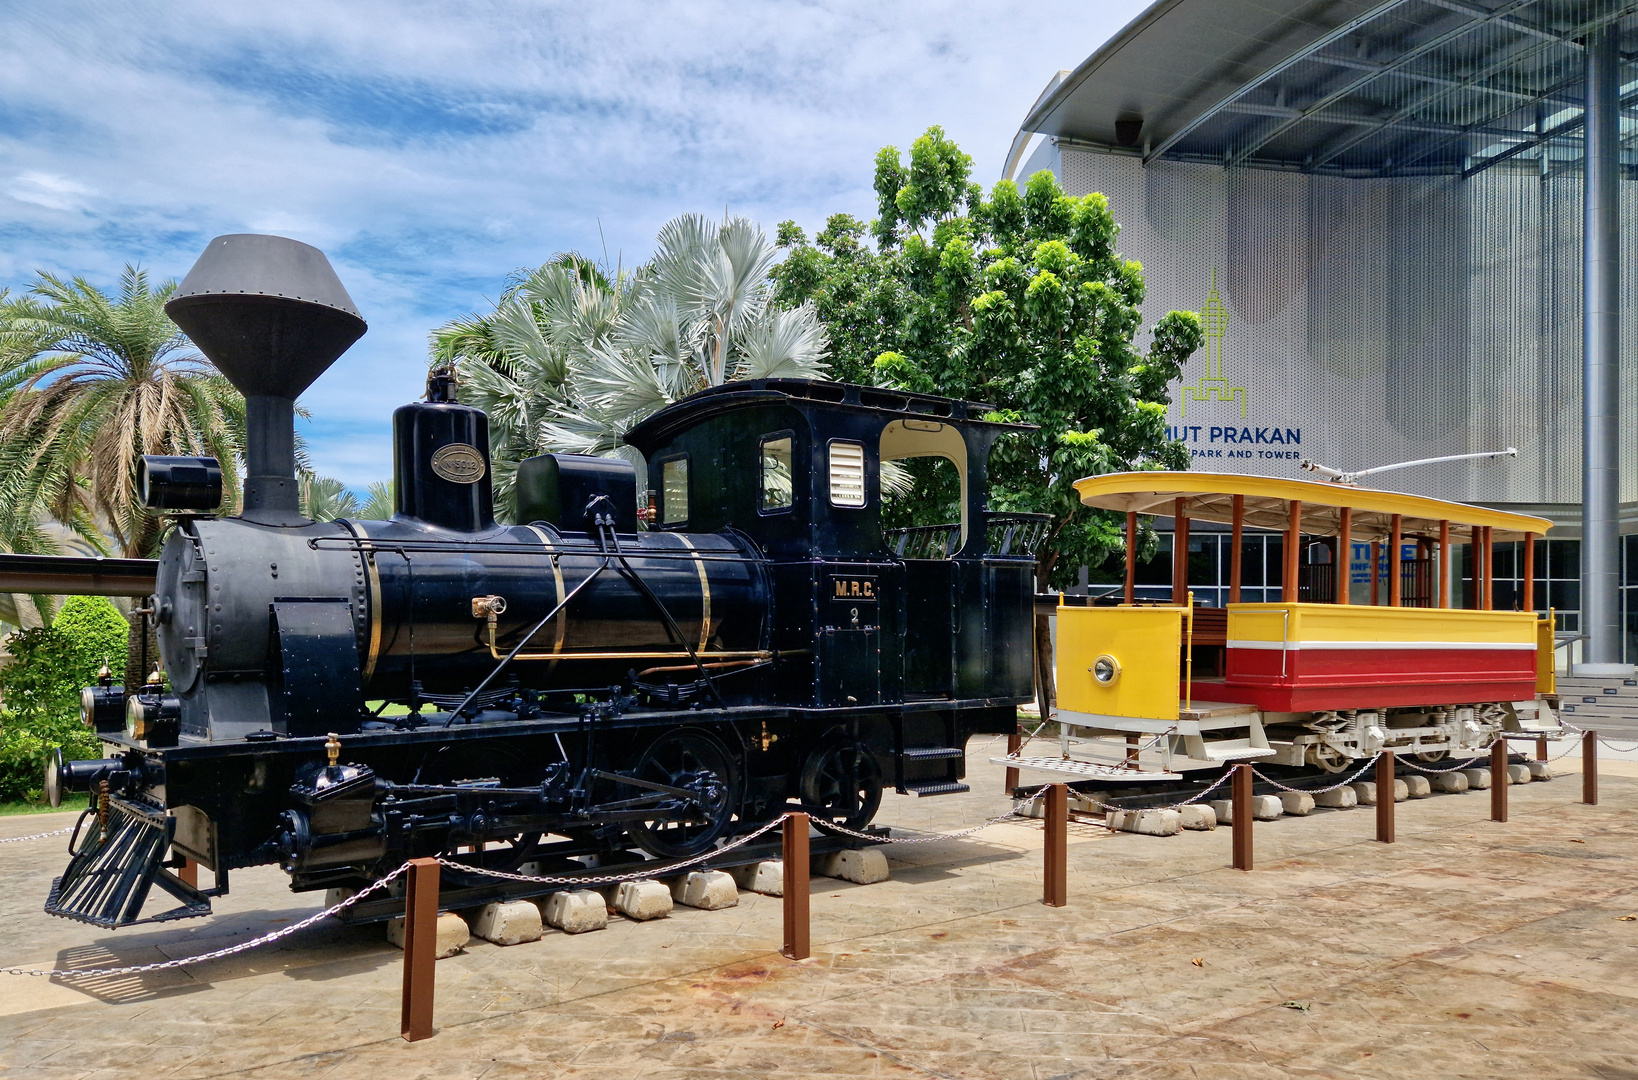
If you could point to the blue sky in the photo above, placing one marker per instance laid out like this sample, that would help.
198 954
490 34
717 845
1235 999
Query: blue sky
431 149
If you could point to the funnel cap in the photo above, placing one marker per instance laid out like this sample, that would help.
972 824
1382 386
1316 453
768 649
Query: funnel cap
268 311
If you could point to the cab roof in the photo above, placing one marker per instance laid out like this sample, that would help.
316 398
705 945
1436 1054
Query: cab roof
1210 497
661 427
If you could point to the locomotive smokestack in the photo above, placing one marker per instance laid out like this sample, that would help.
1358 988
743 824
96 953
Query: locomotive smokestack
271 314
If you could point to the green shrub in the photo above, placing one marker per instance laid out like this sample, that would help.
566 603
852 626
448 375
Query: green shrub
40 689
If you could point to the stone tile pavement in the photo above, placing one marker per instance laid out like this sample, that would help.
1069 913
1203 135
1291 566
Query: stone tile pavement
1469 948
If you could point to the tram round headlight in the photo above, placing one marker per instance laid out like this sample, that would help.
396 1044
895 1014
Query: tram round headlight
1106 669
88 706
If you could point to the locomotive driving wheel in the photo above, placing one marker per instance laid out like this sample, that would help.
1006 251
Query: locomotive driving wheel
699 763
842 783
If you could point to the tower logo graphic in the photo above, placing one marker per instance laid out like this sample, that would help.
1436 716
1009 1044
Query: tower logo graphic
1213 385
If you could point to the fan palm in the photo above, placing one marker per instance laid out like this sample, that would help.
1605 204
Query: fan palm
88 384
326 499
573 357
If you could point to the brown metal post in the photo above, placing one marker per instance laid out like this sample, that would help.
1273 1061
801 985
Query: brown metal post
1396 575
1345 556
1015 743
1293 542
1130 595
1445 550
1240 793
1056 890
1180 553
1527 602
1384 797
1541 748
1589 767
796 886
189 872
1236 537
1487 590
1499 780
420 949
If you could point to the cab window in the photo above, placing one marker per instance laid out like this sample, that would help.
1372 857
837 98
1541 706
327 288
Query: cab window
778 490
674 492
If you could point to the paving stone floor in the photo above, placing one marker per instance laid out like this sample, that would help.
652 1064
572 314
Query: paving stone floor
1469 948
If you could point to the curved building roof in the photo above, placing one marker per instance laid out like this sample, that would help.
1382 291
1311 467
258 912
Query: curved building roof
1341 87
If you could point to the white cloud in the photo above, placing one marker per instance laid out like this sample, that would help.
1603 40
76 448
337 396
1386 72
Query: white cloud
430 149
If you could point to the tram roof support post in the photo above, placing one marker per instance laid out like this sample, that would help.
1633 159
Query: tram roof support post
1345 556
1601 327
1236 538
1445 563
1180 552
1130 595
1376 572
1396 584
1290 562
1527 601
1487 590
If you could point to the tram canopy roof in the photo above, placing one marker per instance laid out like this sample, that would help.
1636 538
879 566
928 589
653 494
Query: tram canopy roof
1210 497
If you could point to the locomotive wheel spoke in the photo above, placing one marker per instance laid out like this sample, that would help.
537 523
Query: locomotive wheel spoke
696 762
842 783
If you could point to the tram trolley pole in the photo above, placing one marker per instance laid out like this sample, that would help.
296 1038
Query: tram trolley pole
1384 796
1589 767
1499 780
1240 794
1055 890
420 949
796 887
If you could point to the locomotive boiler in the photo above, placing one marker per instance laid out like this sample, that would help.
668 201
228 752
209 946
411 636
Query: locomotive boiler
338 696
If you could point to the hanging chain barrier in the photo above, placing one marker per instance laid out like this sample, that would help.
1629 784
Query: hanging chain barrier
1603 741
1319 790
243 946
1081 796
37 836
831 826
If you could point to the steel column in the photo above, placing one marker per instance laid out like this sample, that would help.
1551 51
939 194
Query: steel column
1396 568
1385 797
1055 888
1345 556
1180 553
420 949
1499 780
1236 537
1601 326
1527 602
795 889
1130 594
1589 767
1240 816
1446 550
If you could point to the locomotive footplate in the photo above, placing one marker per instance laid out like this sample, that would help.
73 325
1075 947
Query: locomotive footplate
469 890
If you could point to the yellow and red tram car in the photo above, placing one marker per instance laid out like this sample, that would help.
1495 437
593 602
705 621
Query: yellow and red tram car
1314 678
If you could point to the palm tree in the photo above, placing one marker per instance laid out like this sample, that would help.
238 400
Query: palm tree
326 499
574 356
378 501
88 384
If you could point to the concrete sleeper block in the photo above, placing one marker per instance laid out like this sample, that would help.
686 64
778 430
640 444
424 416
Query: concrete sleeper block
1451 783
1197 817
575 911
1365 792
1401 791
1540 770
508 922
1418 786
1518 774
1266 807
708 890
864 866
1342 798
1477 779
1296 803
451 937
1150 822
642 900
1223 810
766 877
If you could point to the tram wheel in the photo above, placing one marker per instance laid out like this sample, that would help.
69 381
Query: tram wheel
1431 756
698 761
842 783
1330 758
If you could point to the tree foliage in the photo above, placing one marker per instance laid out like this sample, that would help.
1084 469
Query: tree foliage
1017 298
40 689
573 355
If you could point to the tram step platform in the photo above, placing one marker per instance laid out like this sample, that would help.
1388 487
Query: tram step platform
933 753
1088 770
921 788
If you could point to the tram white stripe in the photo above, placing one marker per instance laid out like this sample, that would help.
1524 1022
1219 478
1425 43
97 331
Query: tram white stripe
1299 646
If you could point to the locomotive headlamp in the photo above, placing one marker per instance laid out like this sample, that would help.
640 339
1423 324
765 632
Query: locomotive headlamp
1105 669
136 718
180 483
88 706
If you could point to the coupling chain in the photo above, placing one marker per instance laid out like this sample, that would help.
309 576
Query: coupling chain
1318 790
831 826
36 836
243 946
610 879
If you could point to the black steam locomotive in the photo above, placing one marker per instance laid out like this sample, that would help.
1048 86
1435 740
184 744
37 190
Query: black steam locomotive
344 695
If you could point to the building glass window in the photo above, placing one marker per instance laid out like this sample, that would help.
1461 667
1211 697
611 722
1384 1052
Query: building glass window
674 492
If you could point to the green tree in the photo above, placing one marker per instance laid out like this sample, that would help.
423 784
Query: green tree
40 689
1017 298
574 356
88 384
324 498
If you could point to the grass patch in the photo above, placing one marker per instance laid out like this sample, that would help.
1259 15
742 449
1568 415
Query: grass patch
7 808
